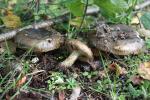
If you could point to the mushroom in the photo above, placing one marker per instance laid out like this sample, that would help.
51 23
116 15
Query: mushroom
117 39
39 40
79 50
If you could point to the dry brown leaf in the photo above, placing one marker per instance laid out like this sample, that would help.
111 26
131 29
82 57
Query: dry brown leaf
118 69
11 20
21 81
102 74
7 97
135 20
61 95
136 80
144 70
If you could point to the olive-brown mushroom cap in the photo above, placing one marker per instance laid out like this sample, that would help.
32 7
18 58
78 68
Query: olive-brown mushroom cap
117 39
39 40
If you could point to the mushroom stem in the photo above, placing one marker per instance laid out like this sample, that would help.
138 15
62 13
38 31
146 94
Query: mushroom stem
70 60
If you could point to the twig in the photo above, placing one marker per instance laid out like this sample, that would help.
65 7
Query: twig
35 72
63 17
143 5
11 34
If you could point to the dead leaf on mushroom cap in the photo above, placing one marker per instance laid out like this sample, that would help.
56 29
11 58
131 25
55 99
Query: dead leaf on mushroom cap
144 70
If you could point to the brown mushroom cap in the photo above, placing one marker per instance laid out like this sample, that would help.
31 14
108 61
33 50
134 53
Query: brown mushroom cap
79 49
39 40
130 46
117 39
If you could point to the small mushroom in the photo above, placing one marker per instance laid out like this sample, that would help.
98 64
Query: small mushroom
39 40
79 50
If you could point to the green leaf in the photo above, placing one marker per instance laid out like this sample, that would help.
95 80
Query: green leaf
75 7
113 9
110 7
145 19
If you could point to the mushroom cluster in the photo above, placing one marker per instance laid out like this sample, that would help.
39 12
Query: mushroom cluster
39 40
117 39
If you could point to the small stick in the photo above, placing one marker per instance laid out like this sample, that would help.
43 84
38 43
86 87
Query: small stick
63 17
143 5
11 34
35 72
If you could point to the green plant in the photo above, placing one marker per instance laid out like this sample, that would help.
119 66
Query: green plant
116 11
100 86
71 83
59 81
134 92
90 74
56 81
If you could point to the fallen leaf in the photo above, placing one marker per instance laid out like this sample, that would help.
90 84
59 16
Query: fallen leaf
7 97
136 80
11 20
116 68
144 70
61 95
21 81
135 20
102 73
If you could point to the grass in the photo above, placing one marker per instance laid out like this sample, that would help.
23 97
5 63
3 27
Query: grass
112 86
